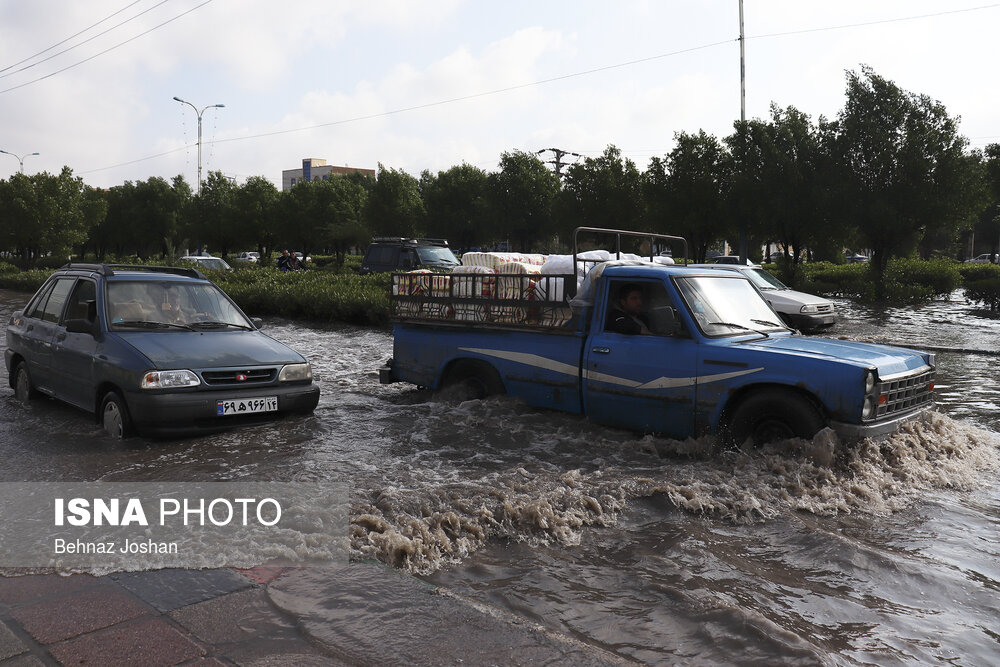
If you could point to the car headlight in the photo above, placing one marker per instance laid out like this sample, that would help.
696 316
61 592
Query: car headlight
295 373
868 410
809 309
169 379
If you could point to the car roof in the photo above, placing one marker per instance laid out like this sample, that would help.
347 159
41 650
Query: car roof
134 272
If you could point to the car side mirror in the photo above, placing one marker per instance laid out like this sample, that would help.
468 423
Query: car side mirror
257 322
80 325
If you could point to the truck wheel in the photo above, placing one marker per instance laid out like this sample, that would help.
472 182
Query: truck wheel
114 416
474 380
773 414
24 390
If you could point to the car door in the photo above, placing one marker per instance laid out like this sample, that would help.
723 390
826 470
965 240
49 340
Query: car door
73 353
42 326
637 381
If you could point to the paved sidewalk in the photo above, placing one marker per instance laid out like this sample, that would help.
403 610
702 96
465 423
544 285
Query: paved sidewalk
163 617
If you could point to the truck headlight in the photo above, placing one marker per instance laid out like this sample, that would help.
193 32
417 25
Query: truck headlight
869 382
295 373
869 408
809 309
169 379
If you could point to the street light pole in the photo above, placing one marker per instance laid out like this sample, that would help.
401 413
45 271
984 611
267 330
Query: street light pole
20 158
199 113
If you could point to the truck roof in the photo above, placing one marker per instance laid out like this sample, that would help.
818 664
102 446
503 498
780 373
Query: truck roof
657 270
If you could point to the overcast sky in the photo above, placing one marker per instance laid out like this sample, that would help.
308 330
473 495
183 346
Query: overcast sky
427 85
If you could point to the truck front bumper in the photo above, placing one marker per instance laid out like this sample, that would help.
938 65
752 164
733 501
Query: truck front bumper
877 430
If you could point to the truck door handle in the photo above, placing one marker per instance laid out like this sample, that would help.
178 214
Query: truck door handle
601 350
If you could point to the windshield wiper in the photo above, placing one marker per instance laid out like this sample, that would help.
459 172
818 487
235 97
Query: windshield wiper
214 324
148 324
739 326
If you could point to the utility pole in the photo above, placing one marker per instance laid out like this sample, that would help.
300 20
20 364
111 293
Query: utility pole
744 242
559 153
199 113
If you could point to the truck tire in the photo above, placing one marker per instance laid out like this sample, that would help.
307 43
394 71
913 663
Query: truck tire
473 380
114 416
772 414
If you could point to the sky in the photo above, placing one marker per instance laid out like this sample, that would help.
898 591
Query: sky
431 84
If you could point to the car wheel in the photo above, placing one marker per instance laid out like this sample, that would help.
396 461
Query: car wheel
474 380
114 416
770 415
24 390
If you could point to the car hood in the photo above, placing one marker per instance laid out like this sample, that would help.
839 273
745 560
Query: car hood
209 349
789 297
888 360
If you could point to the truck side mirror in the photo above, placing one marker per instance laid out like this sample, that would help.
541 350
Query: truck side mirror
663 321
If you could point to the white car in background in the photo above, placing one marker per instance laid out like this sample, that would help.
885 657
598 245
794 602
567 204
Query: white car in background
986 258
210 263
798 309
247 257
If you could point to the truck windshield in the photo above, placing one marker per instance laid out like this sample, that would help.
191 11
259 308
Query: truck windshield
430 255
724 306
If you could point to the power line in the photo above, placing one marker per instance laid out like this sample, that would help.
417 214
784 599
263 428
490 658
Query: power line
522 86
69 38
96 55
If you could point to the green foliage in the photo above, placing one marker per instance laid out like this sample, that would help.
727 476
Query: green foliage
982 284
314 295
7 268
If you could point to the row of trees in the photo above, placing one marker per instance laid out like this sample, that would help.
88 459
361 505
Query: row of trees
890 174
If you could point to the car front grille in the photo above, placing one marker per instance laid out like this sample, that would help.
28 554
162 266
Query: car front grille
825 308
240 377
902 394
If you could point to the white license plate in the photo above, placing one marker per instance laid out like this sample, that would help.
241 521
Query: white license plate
245 406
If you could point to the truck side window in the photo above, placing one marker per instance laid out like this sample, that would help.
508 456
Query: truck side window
641 308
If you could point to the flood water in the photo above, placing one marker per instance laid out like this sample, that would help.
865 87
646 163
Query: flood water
645 549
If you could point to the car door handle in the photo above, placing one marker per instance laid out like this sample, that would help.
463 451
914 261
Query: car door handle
61 337
601 350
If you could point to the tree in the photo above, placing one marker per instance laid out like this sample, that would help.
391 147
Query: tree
905 167
521 197
685 192
457 206
213 219
256 205
47 213
394 206
601 192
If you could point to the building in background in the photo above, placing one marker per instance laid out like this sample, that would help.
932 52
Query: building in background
314 169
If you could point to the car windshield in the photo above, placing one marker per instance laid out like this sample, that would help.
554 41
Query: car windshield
727 306
150 304
764 280
436 255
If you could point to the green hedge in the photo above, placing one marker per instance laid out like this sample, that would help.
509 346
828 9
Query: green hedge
982 284
906 280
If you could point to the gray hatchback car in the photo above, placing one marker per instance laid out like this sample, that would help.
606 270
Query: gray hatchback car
154 350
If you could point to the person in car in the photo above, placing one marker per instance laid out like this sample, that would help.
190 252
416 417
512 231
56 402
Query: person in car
627 316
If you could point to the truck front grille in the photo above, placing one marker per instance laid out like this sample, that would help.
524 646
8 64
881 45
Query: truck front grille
902 394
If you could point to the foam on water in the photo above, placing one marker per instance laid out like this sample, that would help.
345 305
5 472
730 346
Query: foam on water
424 527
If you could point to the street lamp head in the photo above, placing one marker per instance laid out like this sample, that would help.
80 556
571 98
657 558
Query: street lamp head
178 99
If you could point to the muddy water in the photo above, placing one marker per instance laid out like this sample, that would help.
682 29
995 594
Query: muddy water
644 548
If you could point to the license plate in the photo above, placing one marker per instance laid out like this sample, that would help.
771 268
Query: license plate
245 406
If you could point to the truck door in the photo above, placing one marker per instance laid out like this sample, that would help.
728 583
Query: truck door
643 379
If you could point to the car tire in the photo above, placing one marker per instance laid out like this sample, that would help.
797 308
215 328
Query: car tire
24 389
474 380
769 415
115 419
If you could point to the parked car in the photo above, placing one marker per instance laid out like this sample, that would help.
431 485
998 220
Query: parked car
153 350
797 309
250 257
728 259
986 258
209 263
406 254
857 258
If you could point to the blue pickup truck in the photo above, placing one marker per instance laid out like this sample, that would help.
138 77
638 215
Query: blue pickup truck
702 353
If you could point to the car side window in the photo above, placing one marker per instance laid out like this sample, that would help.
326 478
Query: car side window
57 299
83 301
37 307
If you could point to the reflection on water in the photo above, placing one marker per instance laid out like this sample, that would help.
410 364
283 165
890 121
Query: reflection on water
645 548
